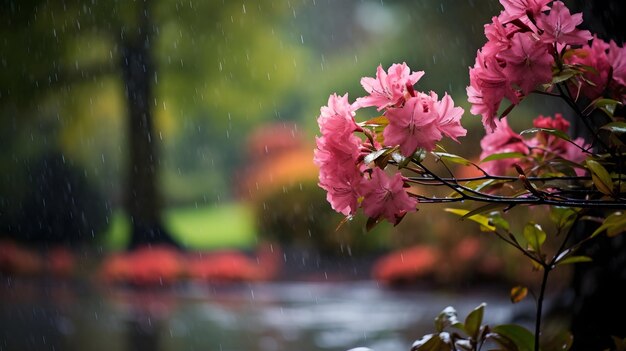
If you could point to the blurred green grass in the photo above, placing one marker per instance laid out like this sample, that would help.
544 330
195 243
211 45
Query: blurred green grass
228 225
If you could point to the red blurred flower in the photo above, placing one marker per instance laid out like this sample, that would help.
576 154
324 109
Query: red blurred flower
148 265
16 259
406 265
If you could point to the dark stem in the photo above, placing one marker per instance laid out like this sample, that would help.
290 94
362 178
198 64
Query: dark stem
544 282
564 93
518 247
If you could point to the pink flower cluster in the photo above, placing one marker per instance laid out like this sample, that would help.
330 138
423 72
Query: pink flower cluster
537 150
607 74
414 120
523 43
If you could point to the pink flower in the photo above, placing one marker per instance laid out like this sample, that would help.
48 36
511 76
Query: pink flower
337 154
449 118
413 125
595 56
528 62
488 86
343 190
575 154
388 88
617 59
336 120
558 122
502 140
339 173
548 146
519 9
559 26
384 196
333 161
498 37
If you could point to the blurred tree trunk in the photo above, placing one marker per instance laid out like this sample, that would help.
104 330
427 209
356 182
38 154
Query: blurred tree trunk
143 202
600 288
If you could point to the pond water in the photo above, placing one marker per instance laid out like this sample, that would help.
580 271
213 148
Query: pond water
270 316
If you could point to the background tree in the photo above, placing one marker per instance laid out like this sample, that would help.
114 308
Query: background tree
70 69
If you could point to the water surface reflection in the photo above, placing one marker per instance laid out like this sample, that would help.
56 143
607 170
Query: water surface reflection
51 315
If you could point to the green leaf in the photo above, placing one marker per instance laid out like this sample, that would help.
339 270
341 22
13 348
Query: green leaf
560 341
562 217
376 121
371 223
535 236
557 133
476 185
607 105
601 177
473 321
419 155
446 318
615 127
614 224
565 75
430 342
574 259
502 156
516 335
486 208
482 220
496 219
453 158
371 157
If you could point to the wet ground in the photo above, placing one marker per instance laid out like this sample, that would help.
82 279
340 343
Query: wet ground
39 314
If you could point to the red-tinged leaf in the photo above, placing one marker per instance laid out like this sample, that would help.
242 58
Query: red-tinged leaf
518 293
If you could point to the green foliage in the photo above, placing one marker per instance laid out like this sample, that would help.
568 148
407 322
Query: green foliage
299 216
614 224
484 221
535 237
230 225
472 335
601 177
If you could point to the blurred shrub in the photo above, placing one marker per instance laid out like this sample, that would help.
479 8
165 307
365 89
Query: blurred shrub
464 254
281 182
57 204
299 215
